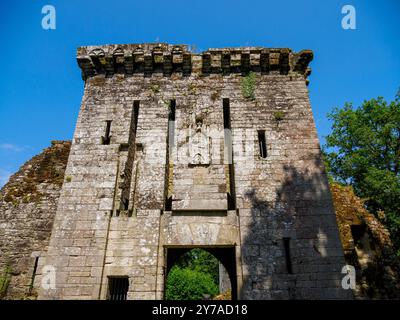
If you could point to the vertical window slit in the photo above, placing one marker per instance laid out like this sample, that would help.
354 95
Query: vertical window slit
33 274
262 143
169 162
227 117
228 155
131 148
106 139
286 246
136 104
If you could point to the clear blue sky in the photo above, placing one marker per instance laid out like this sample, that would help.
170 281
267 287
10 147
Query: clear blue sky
41 86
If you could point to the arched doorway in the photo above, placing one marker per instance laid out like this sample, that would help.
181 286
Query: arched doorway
226 265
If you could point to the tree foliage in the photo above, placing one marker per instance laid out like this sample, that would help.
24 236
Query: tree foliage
363 150
201 261
188 284
196 273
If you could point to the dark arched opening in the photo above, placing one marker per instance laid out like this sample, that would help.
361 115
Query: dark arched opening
225 255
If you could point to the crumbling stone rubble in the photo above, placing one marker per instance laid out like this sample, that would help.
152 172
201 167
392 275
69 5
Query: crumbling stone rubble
367 246
28 205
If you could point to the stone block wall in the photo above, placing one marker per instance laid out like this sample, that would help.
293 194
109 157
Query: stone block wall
28 204
282 226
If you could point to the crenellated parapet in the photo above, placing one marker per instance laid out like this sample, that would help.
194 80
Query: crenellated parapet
164 58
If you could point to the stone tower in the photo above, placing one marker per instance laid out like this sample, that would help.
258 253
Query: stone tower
175 150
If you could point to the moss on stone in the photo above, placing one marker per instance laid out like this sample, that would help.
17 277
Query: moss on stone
214 96
279 115
47 167
98 81
155 88
249 86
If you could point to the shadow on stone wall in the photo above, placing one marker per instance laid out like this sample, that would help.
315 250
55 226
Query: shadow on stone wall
303 213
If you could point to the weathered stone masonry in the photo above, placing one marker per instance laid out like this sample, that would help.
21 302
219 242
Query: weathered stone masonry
144 175
28 204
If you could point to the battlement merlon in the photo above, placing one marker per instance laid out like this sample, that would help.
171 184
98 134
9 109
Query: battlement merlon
148 58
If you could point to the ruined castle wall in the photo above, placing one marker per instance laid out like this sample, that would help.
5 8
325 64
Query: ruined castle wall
94 172
98 233
28 204
285 195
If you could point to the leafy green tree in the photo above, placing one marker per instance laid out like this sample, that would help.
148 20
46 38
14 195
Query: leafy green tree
187 284
201 261
363 150
196 273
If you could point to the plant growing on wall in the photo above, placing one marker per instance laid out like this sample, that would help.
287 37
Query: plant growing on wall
214 96
279 115
155 88
5 278
249 86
